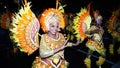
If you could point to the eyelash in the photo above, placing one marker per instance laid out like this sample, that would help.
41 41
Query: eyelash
54 26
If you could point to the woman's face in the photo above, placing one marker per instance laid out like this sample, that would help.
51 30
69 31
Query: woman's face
54 28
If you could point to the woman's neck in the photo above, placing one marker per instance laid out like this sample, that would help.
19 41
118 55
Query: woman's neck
53 36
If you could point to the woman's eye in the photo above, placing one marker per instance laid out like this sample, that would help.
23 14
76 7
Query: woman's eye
52 26
57 26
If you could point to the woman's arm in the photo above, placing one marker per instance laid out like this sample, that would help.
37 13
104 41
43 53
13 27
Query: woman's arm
44 49
77 43
62 47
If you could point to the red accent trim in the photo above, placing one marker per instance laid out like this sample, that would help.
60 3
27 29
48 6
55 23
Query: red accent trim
55 63
45 60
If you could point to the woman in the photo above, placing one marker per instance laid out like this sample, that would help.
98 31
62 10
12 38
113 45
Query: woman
53 42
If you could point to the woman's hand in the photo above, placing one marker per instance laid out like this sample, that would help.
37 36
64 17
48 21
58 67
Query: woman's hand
77 43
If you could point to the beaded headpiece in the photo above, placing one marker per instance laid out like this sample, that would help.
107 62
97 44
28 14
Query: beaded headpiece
51 15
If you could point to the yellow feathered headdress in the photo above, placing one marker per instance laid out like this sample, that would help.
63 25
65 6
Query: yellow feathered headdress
52 15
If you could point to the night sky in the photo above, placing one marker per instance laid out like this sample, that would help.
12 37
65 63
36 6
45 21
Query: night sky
105 6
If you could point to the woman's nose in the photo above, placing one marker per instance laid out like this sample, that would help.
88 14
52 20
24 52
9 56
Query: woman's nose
56 28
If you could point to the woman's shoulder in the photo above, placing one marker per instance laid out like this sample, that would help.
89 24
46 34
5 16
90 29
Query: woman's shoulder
62 35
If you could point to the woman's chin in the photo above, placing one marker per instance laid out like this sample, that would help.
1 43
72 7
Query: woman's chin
53 33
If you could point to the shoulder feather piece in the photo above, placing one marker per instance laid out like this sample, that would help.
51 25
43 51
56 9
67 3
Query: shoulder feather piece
82 23
24 29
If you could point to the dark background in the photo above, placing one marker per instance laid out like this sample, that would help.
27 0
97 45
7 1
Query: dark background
106 6
74 55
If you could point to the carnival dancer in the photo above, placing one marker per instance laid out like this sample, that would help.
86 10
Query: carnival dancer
82 25
95 41
52 42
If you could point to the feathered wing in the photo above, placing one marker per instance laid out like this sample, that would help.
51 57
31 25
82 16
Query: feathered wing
113 24
24 29
82 23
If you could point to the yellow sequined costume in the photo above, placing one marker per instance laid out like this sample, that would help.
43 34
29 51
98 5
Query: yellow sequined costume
96 43
47 46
